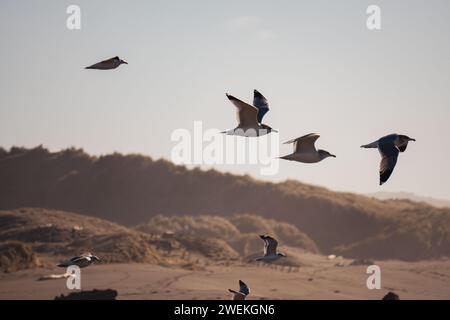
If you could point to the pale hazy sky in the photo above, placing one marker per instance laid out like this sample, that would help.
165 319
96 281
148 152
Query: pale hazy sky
316 62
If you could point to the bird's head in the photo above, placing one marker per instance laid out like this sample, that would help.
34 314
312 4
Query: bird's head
404 138
269 129
325 154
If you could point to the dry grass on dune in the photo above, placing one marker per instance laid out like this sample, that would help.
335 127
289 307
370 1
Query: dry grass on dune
131 189
219 238
185 241
287 233
54 235
16 256
123 247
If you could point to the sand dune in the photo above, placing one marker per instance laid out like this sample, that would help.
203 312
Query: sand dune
131 189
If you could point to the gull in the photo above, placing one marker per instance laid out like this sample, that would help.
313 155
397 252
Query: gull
242 293
109 64
250 117
82 261
270 249
305 150
389 147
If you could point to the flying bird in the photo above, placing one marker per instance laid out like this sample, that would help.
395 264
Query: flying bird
250 117
242 293
389 147
270 249
82 261
109 64
305 150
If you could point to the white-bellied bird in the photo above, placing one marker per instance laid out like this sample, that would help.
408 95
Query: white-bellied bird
250 116
305 151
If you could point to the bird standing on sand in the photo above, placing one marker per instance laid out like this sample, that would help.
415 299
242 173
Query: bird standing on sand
109 64
305 150
389 147
270 249
250 117
82 261
242 293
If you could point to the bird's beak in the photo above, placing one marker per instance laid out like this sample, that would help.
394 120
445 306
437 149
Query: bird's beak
332 155
411 139
125 62
273 130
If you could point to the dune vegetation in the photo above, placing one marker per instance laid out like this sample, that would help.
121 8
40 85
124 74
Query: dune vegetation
241 232
133 189
31 235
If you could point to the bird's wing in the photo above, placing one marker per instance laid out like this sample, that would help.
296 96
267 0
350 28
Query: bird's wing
76 258
266 244
246 114
78 261
105 64
270 246
389 154
305 143
97 65
116 58
260 102
243 288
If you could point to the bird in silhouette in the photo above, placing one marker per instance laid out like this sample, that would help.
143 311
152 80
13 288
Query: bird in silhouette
389 147
305 150
109 64
242 293
82 261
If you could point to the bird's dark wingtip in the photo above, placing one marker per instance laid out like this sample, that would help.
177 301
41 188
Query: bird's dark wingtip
384 176
230 97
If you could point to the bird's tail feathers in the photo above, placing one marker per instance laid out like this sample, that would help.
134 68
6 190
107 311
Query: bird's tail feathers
370 145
